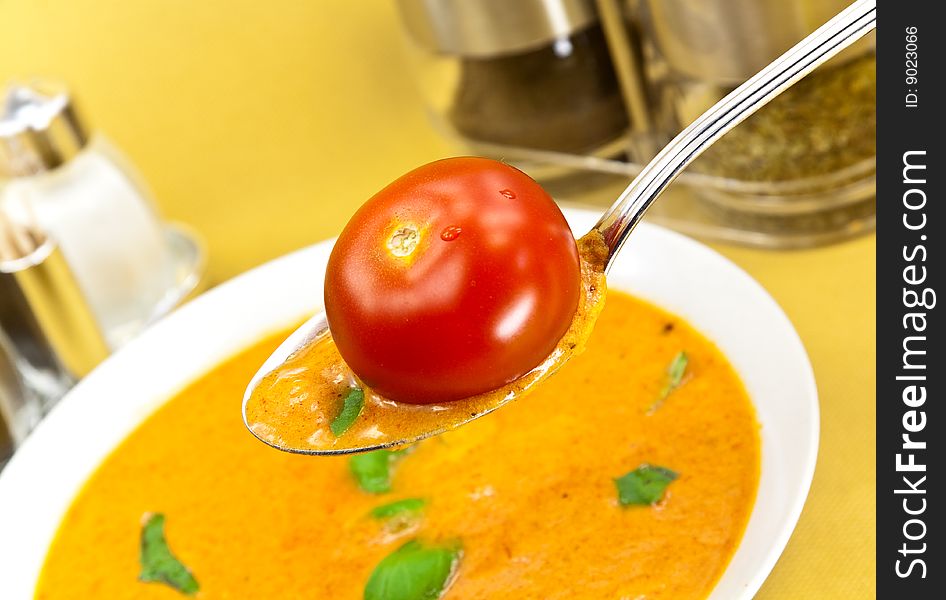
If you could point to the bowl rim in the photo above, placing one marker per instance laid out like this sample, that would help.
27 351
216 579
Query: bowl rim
42 478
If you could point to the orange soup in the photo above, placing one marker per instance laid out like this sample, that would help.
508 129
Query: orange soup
528 494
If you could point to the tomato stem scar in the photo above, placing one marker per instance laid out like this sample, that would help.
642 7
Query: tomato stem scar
404 241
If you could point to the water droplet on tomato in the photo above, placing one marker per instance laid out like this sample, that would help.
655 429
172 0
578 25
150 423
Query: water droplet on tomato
450 233
508 194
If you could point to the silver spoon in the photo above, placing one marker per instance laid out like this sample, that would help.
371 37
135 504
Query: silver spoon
620 219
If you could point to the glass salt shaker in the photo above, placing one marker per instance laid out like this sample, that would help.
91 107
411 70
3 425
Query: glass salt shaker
81 191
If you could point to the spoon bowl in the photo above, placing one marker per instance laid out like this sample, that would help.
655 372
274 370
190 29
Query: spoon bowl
287 403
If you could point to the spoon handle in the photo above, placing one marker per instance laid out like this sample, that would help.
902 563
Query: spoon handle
828 40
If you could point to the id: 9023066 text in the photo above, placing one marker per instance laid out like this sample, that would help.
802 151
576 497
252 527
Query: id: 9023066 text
911 66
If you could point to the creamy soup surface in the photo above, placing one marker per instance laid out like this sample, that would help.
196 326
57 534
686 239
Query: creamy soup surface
528 492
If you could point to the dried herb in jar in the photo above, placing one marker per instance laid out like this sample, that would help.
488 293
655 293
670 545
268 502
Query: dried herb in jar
822 124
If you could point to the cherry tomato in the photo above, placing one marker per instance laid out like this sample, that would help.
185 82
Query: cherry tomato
456 279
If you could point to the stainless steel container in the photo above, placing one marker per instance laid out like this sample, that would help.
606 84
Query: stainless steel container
485 28
20 409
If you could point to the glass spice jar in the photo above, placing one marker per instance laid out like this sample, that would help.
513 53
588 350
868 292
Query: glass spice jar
811 150
532 75
561 96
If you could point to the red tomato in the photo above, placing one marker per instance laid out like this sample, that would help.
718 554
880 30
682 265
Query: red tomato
455 279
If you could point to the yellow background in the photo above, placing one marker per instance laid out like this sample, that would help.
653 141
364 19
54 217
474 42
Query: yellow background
265 124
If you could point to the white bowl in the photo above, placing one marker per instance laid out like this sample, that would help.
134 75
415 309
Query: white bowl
672 271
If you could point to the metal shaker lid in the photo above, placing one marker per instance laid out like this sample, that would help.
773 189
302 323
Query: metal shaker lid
39 129
727 41
483 28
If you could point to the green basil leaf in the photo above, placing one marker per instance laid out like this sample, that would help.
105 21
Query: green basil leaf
408 506
351 408
413 572
644 485
372 470
677 368
157 562
674 379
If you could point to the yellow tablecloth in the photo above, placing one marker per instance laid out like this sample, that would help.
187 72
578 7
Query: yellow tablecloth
265 124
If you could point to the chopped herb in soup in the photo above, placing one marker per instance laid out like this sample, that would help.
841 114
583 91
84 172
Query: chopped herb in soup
158 563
